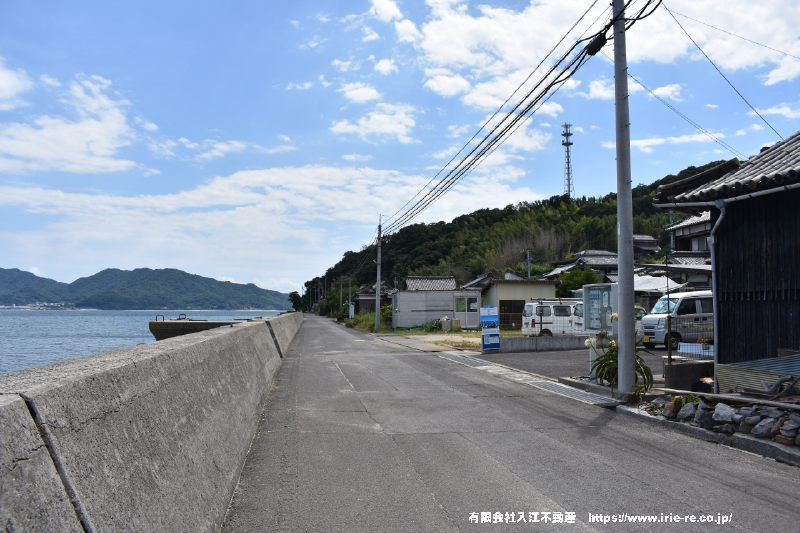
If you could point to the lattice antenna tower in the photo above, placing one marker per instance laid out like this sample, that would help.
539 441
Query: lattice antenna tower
569 189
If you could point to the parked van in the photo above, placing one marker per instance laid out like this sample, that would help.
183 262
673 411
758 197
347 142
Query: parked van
691 317
562 316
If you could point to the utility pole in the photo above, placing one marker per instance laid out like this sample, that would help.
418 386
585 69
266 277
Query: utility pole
626 340
528 253
378 283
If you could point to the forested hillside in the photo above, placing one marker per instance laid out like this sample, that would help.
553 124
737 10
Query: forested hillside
142 288
497 240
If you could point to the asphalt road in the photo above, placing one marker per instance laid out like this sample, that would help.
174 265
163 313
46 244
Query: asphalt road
362 434
564 363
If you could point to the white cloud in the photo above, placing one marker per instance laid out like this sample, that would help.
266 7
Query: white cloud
356 157
304 86
739 133
385 10
671 91
646 145
49 81
601 90
217 149
385 66
447 84
756 127
344 66
783 110
407 32
369 34
712 106
360 92
387 120
282 149
12 84
295 220
87 143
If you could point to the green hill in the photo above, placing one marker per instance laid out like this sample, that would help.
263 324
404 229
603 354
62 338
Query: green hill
498 240
142 288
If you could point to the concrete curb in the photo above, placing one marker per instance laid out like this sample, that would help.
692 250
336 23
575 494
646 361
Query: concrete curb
767 448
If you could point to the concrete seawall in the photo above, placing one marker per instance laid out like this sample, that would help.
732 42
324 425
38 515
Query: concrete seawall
147 438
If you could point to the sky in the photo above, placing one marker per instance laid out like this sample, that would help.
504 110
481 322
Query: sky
258 141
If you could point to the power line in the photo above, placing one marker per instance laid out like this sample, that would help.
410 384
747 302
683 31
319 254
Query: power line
510 122
675 110
737 35
484 125
721 74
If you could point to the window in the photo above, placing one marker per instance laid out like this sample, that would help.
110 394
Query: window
542 310
561 310
461 305
472 305
706 305
578 310
687 307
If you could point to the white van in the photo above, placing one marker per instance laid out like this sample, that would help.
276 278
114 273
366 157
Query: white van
691 317
562 316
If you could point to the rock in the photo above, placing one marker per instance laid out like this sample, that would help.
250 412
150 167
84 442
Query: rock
795 417
737 418
774 412
669 409
784 440
687 412
659 401
729 429
748 411
797 440
789 429
764 429
703 416
723 413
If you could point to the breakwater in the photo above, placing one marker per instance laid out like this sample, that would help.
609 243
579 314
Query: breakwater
147 438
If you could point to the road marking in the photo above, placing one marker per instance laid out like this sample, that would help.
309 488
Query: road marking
532 380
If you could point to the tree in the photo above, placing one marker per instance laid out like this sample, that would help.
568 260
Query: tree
297 301
575 279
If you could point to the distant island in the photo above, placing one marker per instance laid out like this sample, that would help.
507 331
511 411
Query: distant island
142 288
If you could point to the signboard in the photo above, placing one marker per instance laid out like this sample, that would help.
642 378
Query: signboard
490 328
599 302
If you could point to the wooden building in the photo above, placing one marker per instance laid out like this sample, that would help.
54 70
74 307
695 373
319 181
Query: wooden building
755 255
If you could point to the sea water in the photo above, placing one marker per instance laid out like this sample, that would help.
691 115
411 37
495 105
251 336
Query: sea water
30 338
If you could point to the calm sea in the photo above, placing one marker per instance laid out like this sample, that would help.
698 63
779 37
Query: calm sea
34 338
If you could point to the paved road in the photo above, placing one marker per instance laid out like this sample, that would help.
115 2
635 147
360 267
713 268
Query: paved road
563 363
360 434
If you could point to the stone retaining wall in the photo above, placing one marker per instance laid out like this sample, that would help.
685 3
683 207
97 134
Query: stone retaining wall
147 438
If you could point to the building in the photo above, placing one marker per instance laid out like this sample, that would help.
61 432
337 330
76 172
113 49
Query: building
755 256
364 299
509 296
603 262
429 298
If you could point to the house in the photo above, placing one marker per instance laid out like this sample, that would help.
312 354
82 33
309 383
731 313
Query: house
509 296
603 262
755 257
364 299
429 298
644 245
690 259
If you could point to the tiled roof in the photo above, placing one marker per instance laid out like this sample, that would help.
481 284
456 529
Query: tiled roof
778 165
702 218
431 283
690 258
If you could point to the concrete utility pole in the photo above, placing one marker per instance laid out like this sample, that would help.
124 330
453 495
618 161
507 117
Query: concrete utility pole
378 283
627 334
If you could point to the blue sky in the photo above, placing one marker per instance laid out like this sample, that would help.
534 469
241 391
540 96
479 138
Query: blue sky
258 141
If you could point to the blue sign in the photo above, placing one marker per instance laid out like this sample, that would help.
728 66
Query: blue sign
490 328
